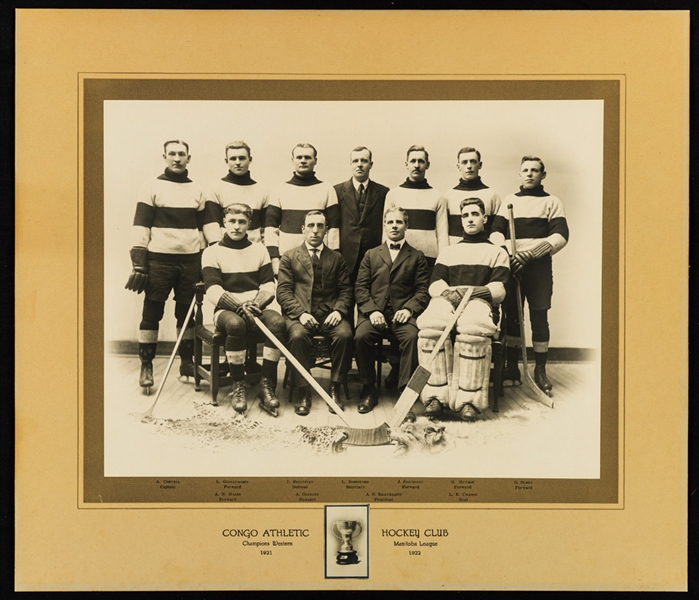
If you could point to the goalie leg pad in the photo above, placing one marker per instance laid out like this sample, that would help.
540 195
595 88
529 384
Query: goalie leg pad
472 357
438 384
436 315
476 319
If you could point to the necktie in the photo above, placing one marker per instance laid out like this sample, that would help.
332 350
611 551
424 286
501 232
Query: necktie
394 246
314 257
361 200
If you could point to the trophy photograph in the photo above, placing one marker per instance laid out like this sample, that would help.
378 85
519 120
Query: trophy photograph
345 531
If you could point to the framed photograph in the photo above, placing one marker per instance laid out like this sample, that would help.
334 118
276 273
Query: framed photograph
176 457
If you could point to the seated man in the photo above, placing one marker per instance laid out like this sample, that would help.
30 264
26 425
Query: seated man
239 282
391 291
459 375
315 294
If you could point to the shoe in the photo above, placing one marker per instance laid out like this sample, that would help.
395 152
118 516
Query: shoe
468 413
391 380
370 398
146 377
238 400
268 400
433 407
511 370
303 405
541 380
187 367
335 395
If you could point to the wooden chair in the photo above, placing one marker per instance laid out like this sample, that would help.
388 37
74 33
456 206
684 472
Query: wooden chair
207 334
320 350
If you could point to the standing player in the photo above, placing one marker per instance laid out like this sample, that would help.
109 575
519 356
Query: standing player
426 207
541 230
468 161
290 202
167 230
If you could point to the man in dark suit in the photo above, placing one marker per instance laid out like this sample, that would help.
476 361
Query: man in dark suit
391 292
315 295
361 208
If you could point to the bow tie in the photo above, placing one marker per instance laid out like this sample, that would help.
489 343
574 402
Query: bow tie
394 246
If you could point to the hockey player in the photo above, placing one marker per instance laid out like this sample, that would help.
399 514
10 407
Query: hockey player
167 230
239 187
468 161
292 200
541 230
239 282
459 379
427 209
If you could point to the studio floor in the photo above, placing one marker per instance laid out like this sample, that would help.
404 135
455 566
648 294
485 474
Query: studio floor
186 438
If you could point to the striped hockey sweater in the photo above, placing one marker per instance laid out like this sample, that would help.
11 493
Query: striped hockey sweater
469 189
242 268
231 189
539 217
289 203
473 261
428 228
169 219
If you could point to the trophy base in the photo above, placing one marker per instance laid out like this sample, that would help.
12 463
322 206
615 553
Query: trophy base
347 558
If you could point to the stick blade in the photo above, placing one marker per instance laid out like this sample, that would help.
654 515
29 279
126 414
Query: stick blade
378 436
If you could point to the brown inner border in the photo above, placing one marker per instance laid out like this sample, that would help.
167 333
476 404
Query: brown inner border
97 89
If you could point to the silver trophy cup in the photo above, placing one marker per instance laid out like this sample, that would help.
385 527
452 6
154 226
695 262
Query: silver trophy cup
345 531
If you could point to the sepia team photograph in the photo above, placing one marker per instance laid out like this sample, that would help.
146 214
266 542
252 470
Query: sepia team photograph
353 288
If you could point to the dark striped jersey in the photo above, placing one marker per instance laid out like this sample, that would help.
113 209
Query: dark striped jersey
470 264
242 268
169 219
224 192
288 205
538 216
428 229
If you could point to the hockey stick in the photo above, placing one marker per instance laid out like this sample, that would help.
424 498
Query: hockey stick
540 396
422 373
149 413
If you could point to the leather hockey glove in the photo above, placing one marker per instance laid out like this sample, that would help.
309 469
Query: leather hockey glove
263 299
522 259
454 296
139 275
247 313
228 302
482 292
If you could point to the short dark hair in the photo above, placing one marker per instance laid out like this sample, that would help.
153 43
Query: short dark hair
166 144
529 157
238 208
415 148
394 208
466 150
468 201
312 213
237 146
359 149
305 145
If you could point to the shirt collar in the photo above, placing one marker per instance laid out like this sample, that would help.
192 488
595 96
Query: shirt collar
399 242
311 248
356 184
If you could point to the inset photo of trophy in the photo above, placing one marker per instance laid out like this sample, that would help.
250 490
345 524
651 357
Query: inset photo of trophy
346 541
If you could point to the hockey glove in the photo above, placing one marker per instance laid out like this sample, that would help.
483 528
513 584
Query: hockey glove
482 292
228 302
263 299
248 316
522 259
139 275
454 296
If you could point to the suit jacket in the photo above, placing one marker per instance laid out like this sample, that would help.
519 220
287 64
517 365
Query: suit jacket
357 230
295 285
405 282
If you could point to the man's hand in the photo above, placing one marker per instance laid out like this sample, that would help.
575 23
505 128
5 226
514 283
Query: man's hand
139 275
332 319
378 320
402 316
308 321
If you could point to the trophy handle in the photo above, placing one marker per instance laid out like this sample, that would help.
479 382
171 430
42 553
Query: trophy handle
334 530
358 530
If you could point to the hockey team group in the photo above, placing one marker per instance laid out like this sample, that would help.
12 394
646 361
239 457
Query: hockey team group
405 258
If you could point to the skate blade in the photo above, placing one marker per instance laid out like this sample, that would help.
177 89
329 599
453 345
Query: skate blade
146 389
270 411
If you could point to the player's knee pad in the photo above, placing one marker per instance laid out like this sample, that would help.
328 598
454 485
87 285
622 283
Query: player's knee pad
476 319
440 370
436 315
471 372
